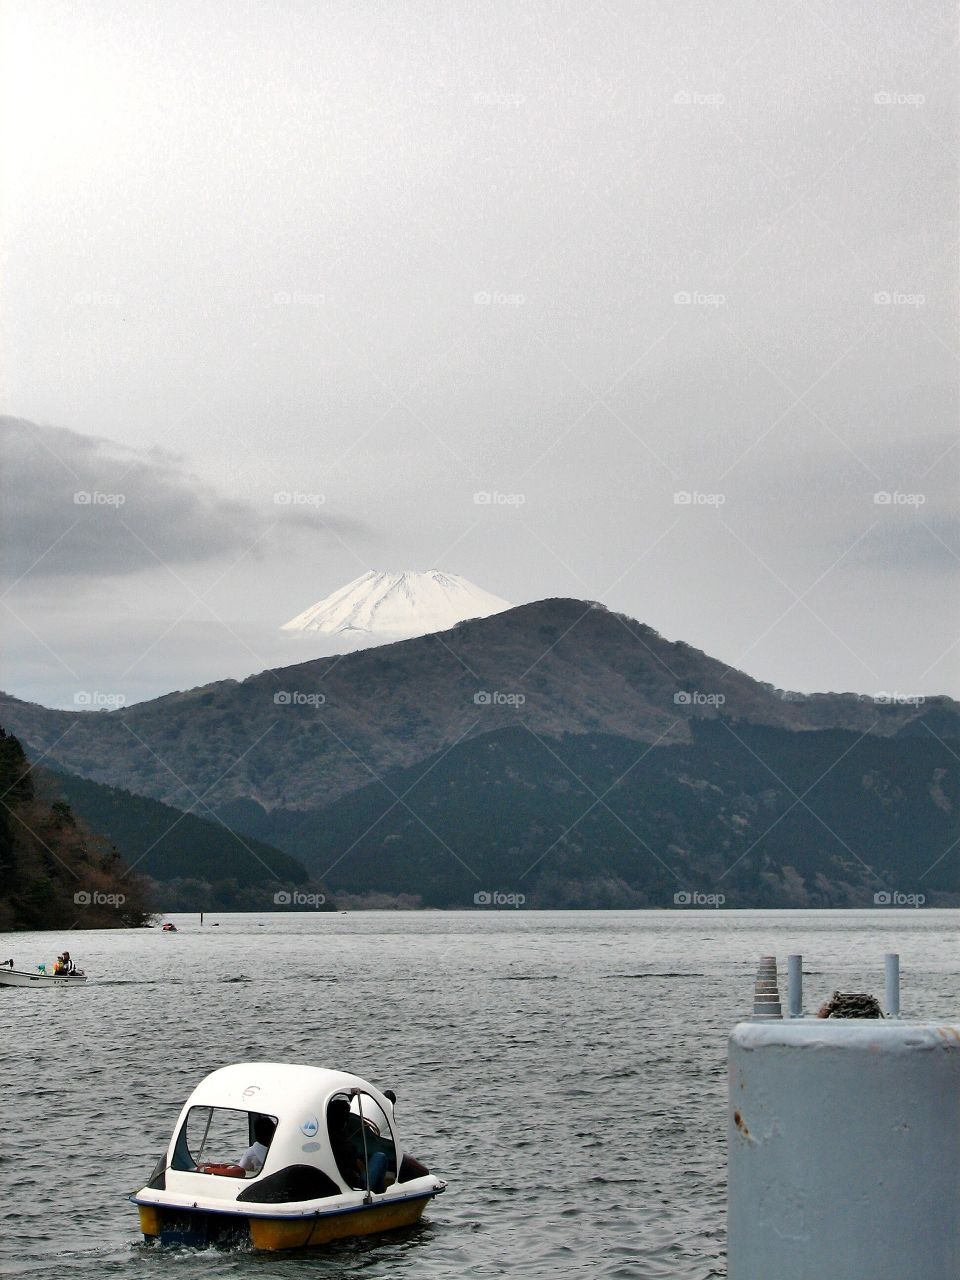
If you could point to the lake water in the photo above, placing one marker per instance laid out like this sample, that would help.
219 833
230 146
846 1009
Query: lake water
564 1071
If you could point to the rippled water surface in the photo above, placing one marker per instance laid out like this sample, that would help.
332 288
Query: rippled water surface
565 1072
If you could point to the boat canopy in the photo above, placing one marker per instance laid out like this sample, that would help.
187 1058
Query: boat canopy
296 1097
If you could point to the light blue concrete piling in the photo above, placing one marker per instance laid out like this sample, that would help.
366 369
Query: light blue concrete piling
844 1148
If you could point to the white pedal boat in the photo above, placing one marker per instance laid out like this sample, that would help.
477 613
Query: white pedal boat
37 978
333 1167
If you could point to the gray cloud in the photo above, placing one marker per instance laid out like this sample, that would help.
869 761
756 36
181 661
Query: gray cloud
85 505
909 541
593 257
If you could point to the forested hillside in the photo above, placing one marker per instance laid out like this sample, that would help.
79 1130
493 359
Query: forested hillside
193 863
55 873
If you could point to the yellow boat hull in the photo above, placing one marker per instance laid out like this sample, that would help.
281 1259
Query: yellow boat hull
271 1234
151 1221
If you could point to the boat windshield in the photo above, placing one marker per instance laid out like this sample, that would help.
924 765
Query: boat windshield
223 1136
362 1141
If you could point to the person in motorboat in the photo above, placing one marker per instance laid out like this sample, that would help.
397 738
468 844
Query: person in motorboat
64 965
263 1130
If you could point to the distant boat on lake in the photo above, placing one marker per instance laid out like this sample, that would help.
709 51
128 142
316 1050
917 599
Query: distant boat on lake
10 977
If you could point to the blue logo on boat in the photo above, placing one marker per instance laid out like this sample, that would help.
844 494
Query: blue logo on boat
310 1127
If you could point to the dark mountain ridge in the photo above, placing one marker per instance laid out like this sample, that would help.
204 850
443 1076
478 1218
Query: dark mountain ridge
758 814
306 735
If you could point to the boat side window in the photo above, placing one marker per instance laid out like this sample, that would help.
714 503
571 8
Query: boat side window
216 1135
362 1141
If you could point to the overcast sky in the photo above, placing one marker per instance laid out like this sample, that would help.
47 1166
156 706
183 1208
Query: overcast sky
381 258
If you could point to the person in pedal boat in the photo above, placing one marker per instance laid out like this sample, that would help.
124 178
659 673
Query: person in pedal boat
353 1141
346 1140
254 1156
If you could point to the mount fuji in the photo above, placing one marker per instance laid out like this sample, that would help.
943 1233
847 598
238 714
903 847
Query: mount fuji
382 605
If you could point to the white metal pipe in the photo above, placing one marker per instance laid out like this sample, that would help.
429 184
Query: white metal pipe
795 986
892 984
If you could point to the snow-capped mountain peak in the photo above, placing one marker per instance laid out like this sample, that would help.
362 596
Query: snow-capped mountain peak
398 605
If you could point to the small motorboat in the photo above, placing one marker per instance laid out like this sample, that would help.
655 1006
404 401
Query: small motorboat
10 977
169 927
280 1156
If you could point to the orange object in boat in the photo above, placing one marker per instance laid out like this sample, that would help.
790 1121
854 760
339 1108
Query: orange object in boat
223 1170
